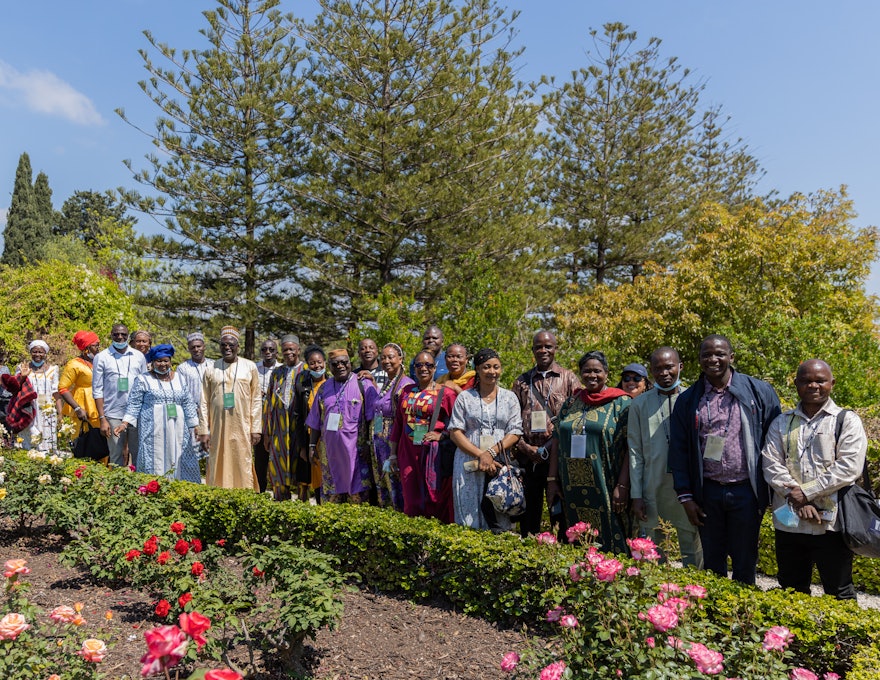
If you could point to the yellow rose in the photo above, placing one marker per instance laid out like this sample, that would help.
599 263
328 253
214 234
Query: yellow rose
2 494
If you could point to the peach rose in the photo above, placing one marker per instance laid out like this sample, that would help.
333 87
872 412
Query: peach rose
93 650
12 625
14 567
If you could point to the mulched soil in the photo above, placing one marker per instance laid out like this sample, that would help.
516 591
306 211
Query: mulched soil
379 636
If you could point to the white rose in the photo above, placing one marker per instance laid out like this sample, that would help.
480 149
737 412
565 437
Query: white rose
65 481
55 460
44 479
2 477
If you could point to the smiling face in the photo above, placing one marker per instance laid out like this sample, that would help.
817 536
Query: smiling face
290 352
593 376
715 359
368 353
229 348
162 365
391 361
814 383
340 367
456 360
633 384
316 362
424 367
544 350
38 354
488 372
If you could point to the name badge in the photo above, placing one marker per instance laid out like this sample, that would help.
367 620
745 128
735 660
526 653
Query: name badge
171 410
378 425
419 432
229 400
487 441
578 446
122 384
714 448
333 422
539 421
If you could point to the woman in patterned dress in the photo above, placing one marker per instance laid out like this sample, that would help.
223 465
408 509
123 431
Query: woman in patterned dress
389 489
161 406
43 432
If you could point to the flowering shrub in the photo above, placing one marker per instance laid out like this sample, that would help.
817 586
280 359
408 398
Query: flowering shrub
609 618
36 645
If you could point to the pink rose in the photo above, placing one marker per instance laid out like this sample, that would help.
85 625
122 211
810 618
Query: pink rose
568 621
62 614
222 674
14 567
93 650
576 571
803 674
663 618
650 642
707 661
553 672
142 490
510 662
546 537
672 641
166 645
606 570
633 571
643 549
12 625
695 591
667 589
574 533
594 556
553 615
831 676
678 604
777 638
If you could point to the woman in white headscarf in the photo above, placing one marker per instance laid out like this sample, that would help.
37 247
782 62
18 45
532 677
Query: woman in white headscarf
43 376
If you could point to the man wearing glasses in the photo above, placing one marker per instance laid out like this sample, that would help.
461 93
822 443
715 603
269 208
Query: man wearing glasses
340 415
113 374
541 392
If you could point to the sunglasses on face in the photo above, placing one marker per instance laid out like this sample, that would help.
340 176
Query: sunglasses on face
339 362
423 364
632 378
119 334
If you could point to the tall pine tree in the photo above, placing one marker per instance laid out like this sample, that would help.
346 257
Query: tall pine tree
45 214
227 143
21 219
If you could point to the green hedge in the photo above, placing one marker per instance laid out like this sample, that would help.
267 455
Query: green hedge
500 578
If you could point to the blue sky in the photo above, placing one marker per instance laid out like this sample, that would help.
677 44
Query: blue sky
800 79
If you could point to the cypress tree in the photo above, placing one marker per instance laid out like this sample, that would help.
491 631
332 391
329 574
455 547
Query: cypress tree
44 213
20 221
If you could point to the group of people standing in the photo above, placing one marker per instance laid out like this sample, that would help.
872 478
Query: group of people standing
425 437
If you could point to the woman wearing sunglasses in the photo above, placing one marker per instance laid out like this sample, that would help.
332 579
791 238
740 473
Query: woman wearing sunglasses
423 411
634 380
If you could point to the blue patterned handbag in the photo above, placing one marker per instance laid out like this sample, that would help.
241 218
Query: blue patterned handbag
505 490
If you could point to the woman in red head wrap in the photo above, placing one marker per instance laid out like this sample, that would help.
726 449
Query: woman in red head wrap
75 383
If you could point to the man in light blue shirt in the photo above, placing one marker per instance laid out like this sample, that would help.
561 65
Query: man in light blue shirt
113 373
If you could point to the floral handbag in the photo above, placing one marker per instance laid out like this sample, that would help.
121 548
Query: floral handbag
505 490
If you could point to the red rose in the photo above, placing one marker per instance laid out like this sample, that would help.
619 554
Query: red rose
181 547
184 599
194 624
178 527
153 486
222 674
164 556
196 545
162 608
78 473
221 542
258 573
132 554
197 569
151 546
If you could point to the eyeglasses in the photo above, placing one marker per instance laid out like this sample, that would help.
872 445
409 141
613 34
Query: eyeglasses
423 364
339 362
228 344
632 378
267 349
119 334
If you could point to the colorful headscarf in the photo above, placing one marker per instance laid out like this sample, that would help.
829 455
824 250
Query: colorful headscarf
83 339
160 352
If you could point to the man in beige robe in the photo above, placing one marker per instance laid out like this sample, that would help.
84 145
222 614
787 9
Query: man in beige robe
230 416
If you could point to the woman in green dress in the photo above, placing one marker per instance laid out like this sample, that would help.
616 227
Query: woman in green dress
588 470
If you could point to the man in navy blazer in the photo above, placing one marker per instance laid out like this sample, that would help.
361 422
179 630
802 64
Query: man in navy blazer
717 432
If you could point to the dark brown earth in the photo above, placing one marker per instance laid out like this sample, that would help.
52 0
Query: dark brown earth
379 636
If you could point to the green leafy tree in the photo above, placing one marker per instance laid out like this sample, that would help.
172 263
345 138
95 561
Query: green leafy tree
227 145
423 151
785 282
21 220
84 214
623 145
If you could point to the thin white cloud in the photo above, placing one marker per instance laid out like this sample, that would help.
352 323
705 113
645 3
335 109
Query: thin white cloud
44 92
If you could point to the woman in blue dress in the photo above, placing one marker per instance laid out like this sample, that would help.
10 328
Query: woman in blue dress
161 405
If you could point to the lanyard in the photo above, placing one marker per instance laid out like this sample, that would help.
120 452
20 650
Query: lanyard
127 365
234 375
543 402
812 428
709 413
339 402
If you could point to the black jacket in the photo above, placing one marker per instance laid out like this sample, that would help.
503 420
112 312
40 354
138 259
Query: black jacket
759 403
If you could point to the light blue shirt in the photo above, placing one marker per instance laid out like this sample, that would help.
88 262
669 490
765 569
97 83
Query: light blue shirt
109 366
